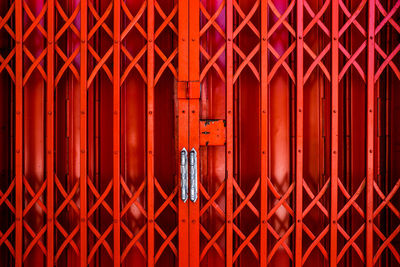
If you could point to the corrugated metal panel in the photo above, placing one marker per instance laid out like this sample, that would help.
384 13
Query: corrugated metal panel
291 106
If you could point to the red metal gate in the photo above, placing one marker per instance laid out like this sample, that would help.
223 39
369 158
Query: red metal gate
282 116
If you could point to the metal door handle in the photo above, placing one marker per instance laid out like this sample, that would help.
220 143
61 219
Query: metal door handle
193 175
184 175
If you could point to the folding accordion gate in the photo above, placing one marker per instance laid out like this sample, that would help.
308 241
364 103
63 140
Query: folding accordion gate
210 132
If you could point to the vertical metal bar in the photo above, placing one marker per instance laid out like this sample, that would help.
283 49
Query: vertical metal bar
264 134
19 196
150 133
387 130
335 131
183 212
97 161
70 137
194 123
194 47
383 133
83 134
183 119
116 134
50 133
370 132
229 133
299 137
194 207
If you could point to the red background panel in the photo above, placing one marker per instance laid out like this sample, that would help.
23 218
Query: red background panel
98 98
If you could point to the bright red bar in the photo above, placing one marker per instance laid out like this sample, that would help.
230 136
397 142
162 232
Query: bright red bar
334 132
50 134
370 133
117 133
299 137
229 134
183 208
303 92
182 139
18 134
150 133
194 126
264 135
83 135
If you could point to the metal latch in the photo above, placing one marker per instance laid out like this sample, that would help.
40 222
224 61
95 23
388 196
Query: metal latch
184 175
193 175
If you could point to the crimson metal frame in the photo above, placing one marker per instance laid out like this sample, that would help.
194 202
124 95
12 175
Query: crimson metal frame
338 59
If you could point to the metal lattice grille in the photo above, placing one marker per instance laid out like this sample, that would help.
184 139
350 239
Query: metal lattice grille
98 97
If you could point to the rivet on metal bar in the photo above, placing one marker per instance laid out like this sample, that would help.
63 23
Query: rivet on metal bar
184 175
193 175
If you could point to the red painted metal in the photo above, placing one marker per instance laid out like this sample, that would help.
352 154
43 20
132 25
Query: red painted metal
182 138
264 134
291 105
370 133
334 133
150 134
50 134
299 134
18 134
83 177
229 150
212 132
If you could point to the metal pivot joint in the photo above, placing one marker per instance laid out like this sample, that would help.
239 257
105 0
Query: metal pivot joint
184 175
193 175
